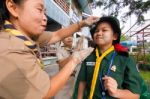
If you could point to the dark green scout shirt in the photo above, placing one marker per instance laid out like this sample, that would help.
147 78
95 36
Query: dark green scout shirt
126 74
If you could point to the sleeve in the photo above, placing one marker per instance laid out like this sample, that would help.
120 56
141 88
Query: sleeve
132 78
44 38
37 80
82 72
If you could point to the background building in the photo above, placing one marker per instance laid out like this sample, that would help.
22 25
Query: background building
61 13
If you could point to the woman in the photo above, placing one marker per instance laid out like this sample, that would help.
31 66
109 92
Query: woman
22 24
108 72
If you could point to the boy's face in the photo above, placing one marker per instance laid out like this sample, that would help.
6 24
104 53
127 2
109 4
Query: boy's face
104 34
68 41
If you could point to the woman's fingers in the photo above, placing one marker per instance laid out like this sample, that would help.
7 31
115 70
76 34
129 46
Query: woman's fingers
91 20
81 55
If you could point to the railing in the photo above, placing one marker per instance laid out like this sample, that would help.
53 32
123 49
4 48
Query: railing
55 12
63 4
48 53
49 61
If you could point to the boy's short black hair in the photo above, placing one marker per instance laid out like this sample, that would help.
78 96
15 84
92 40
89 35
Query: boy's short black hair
114 23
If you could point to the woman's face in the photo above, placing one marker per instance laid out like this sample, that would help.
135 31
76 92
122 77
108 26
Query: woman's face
31 17
104 35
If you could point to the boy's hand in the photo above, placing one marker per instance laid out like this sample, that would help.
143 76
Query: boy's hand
110 85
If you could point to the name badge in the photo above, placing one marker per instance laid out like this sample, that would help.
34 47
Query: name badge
90 63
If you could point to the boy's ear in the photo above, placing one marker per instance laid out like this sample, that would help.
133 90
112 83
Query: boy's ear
115 36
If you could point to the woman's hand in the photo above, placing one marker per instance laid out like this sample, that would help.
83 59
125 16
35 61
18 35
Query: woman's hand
90 20
110 85
79 56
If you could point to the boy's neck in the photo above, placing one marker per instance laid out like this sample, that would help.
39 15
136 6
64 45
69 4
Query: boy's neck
104 48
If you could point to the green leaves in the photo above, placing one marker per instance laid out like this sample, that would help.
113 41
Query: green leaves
136 7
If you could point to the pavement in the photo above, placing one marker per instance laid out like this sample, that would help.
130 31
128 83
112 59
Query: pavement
52 69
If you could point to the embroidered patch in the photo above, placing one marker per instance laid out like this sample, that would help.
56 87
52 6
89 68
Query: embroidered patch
113 68
90 63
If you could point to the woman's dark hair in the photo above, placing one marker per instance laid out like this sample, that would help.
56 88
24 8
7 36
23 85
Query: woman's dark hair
4 13
114 23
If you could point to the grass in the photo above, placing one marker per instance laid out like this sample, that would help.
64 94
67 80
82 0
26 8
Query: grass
146 76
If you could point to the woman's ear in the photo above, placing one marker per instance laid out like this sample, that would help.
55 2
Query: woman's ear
12 8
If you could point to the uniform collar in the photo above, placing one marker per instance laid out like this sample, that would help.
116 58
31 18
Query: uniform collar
67 48
107 57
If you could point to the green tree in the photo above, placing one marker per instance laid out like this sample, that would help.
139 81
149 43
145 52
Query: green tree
137 7
124 38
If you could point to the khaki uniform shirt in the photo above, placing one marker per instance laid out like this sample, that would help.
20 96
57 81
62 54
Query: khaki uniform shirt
20 74
63 53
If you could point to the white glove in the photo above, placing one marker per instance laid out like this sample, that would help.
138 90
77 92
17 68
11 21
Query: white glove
81 55
91 20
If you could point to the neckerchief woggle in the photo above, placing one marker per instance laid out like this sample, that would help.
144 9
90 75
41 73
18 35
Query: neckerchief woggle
96 70
70 50
8 27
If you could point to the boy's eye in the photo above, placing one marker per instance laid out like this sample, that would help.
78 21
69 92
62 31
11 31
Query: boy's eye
96 31
104 30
